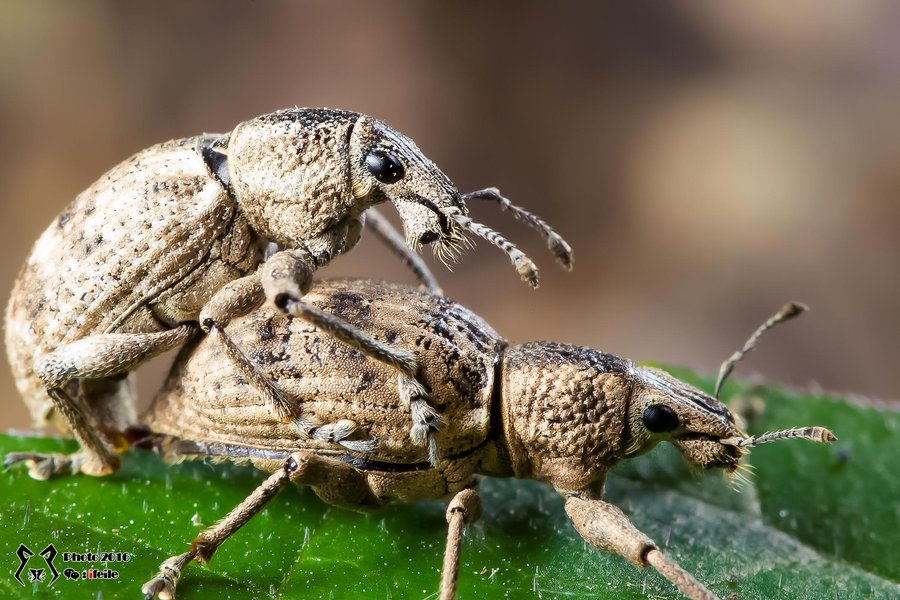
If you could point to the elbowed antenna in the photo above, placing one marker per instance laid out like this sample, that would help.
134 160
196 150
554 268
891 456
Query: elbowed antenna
555 242
813 434
787 312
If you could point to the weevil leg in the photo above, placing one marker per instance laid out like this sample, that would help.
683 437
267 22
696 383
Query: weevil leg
334 481
286 277
238 298
96 456
205 545
388 234
464 509
606 527
92 359
413 394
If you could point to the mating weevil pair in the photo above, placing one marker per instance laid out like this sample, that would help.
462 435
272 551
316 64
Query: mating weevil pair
169 242
557 413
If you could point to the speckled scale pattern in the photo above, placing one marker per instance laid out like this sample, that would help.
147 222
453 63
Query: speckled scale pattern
569 443
205 399
140 250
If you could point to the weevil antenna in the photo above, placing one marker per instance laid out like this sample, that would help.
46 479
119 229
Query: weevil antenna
527 270
787 312
560 248
813 434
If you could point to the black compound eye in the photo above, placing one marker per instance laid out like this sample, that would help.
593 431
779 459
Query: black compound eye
384 167
659 418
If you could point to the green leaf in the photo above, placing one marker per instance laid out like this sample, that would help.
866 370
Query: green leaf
818 522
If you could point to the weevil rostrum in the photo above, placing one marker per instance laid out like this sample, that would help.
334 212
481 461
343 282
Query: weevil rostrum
556 413
171 241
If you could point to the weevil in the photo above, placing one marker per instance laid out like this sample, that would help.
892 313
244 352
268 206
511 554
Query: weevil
557 413
169 242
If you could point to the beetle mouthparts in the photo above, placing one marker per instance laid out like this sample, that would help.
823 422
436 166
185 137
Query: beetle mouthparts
813 434
526 269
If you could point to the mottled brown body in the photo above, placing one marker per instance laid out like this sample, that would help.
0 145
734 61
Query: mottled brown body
552 412
556 413
140 251
570 445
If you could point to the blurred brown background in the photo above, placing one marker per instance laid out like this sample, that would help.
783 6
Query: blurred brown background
707 160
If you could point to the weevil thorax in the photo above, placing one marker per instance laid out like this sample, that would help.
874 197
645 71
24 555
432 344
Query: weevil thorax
387 166
290 174
565 412
662 408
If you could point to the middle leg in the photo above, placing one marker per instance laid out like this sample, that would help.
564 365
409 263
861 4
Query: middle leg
96 360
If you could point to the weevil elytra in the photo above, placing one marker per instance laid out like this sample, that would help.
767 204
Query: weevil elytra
169 241
557 413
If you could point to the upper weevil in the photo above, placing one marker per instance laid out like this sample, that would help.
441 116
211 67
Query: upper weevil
553 412
169 241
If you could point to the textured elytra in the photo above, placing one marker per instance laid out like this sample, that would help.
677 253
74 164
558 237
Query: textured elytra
139 251
457 351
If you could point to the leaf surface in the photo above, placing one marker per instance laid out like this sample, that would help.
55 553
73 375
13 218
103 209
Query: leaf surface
817 521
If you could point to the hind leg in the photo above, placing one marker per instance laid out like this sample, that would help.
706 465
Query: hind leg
110 404
94 415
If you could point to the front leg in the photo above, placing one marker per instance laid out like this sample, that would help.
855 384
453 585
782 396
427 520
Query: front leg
287 276
386 232
606 527
464 509
235 299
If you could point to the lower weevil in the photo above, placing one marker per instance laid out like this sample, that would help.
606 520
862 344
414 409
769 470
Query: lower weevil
553 412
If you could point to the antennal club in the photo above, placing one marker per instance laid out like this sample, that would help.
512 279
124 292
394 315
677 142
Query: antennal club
787 312
527 270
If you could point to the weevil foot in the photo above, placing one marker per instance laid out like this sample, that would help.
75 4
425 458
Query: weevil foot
163 585
159 587
44 466
426 420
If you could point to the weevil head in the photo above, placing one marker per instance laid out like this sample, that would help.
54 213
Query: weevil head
663 408
387 166
570 413
307 174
